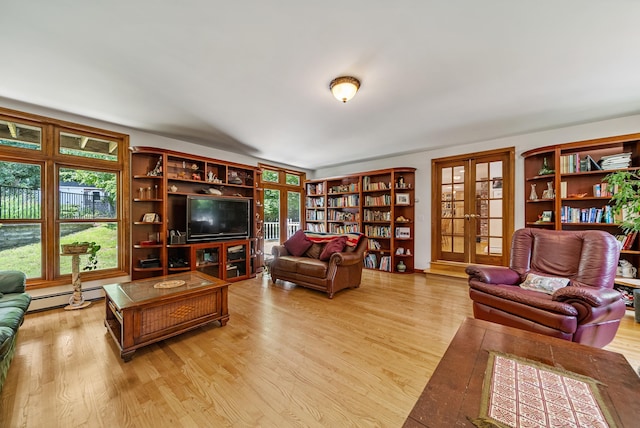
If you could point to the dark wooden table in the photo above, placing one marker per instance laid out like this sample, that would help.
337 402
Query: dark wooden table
454 391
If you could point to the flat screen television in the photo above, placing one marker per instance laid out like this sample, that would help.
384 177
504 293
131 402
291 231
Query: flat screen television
212 218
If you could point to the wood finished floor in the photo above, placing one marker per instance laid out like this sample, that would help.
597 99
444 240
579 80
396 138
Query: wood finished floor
287 357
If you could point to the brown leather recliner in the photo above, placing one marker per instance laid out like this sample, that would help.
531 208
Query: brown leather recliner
588 310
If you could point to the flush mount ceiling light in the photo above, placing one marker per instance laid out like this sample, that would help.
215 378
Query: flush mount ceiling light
344 88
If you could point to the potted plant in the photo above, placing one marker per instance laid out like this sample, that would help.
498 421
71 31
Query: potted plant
90 248
626 198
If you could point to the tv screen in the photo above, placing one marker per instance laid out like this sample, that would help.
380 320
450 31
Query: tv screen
211 218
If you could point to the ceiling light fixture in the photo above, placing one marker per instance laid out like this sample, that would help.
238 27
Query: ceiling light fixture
344 88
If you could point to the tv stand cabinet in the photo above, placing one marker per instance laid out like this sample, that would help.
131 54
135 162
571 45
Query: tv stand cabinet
160 184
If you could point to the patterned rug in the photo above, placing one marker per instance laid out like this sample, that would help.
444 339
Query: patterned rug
520 393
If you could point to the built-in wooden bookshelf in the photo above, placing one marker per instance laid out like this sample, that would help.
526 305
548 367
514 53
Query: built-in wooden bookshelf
379 204
570 194
162 180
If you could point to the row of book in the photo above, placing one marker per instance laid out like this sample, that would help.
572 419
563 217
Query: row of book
626 241
343 228
316 227
343 216
345 201
371 262
587 215
378 231
372 201
370 215
345 188
315 189
313 215
575 162
368 185
314 202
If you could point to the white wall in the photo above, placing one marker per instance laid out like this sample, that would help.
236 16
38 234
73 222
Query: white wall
419 160
422 162
141 138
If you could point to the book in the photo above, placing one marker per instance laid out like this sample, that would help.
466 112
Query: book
593 165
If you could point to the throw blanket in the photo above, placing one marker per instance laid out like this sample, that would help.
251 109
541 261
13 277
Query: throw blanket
322 237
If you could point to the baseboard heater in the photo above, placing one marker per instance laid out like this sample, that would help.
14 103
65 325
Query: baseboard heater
58 300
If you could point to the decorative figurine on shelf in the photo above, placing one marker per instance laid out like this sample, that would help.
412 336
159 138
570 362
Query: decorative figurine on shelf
211 177
545 170
157 171
401 266
548 194
533 196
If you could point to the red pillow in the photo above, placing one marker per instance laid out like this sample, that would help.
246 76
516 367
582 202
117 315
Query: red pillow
297 244
336 245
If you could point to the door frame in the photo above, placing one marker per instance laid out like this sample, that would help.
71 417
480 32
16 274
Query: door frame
508 195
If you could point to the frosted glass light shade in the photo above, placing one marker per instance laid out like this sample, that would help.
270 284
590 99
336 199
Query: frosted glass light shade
344 88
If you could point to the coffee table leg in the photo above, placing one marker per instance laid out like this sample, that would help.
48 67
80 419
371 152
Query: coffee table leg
127 356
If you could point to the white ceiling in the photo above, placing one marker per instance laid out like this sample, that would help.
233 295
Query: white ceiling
252 76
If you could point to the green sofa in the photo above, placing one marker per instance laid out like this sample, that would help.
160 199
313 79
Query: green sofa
14 303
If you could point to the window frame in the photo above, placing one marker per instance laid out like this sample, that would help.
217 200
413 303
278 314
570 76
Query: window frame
51 161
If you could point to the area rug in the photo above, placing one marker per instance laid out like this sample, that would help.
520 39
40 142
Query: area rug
520 393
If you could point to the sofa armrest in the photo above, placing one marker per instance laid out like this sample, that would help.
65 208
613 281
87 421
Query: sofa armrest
493 274
279 251
12 281
345 259
594 297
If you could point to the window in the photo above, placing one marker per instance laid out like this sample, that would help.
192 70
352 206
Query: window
60 183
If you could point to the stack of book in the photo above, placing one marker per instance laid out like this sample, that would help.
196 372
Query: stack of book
617 161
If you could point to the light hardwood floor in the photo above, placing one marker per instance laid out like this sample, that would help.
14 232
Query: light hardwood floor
287 357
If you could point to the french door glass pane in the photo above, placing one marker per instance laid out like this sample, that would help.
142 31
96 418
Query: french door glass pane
88 147
103 234
293 213
14 134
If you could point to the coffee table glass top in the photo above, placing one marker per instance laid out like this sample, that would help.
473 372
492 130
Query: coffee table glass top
145 289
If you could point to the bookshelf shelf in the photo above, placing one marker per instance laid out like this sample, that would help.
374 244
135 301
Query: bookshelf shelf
576 171
366 202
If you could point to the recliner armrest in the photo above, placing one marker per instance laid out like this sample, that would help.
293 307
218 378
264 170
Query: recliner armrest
593 296
493 274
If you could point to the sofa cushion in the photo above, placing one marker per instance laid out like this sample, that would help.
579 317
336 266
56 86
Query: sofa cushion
11 317
16 300
287 263
12 281
297 244
544 284
312 267
336 245
314 251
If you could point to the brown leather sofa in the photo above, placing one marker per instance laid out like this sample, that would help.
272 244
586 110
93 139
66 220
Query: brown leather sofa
588 310
342 270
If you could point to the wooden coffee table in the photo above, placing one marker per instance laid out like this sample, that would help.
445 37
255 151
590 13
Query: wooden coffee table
453 394
143 312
